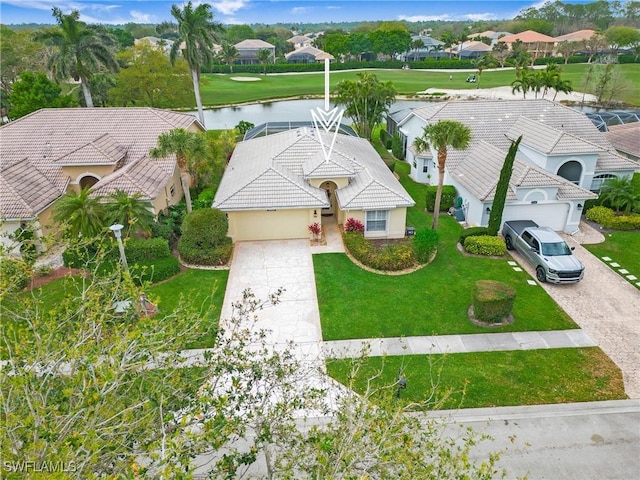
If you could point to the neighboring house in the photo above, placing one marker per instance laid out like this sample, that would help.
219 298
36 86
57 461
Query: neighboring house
163 43
537 44
562 159
432 48
579 36
274 187
248 51
308 55
51 151
300 41
625 138
494 36
466 50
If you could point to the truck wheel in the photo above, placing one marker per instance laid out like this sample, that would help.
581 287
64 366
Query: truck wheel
508 243
540 275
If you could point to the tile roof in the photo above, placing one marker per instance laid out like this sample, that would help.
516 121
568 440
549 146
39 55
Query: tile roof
528 36
309 50
578 36
489 120
625 138
253 43
474 46
40 143
549 140
269 172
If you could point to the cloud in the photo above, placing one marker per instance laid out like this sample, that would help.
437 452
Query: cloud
299 10
141 17
229 7
447 17
481 16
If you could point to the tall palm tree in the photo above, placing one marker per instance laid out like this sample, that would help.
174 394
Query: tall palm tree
131 211
229 54
198 33
82 50
188 147
442 135
80 214
264 56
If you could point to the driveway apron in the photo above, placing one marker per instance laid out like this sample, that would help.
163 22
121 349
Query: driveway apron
266 266
607 307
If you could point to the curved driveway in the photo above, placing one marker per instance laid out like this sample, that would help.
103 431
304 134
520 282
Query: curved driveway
607 307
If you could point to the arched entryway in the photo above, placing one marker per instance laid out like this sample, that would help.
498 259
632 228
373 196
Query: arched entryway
330 187
88 181
572 171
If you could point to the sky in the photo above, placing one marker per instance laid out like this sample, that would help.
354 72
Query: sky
268 11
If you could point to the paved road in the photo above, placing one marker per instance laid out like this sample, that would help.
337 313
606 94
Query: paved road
607 307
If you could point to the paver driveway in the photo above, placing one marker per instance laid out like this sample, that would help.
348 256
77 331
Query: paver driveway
607 307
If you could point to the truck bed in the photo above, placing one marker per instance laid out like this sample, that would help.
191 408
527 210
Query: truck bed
519 225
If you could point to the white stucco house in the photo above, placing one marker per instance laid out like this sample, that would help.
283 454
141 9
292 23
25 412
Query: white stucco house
562 158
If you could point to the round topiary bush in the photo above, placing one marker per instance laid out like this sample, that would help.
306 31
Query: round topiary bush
204 238
492 301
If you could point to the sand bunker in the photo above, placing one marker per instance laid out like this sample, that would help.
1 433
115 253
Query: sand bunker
506 93
245 79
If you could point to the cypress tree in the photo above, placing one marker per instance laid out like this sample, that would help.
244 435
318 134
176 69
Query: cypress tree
495 217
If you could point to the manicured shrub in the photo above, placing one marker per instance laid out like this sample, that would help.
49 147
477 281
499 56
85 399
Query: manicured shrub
425 243
205 198
163 230
492 301
83 255
485 245
472 232
624 222
204 238
155 270
398 256
354 225
396 147
141 250
446 202
194 254
601 215
386 139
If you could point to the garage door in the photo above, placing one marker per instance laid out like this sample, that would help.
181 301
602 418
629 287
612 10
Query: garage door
265 225
553 215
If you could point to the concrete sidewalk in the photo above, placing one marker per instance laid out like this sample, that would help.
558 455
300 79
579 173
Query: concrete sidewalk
439 344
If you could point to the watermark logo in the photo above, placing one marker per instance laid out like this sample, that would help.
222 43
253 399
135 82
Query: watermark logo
30 466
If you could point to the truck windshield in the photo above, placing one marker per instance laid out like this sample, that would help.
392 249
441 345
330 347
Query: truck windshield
554 249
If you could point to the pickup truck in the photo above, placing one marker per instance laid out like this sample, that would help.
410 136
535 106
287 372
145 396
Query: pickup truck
545 250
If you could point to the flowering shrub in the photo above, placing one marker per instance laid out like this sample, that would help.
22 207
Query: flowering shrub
315 229
354 225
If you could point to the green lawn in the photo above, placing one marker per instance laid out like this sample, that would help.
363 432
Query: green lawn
221 90
355 303
623 248
201 289
488 379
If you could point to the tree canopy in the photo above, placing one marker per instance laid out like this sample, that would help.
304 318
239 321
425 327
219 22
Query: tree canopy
34 91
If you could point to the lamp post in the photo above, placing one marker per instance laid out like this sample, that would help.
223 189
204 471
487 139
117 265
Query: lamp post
117 231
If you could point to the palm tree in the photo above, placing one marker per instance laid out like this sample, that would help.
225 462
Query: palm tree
621 194
198 33
264 56
81 50
523 83
485 61
131 211
80 214
441 135
188 147
229 54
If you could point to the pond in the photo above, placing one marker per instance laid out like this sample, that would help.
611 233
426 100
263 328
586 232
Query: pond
300 111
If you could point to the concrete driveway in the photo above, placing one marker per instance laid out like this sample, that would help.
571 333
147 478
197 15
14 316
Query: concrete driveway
607 307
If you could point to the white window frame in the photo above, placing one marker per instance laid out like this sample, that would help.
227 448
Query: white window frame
379 216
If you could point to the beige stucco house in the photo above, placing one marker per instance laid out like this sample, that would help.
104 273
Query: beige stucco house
51 151
276 186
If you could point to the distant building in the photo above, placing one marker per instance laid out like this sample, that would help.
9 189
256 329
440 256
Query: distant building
163 43
537 44
300 41
432 48
308 54
248 50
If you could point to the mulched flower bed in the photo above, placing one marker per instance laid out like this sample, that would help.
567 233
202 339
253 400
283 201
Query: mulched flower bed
37 282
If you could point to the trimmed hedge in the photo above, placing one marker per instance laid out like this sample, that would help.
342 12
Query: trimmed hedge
396 147
425 243
141 250
608 218
485 245
472 232
204 238
446 202
492 301
155 270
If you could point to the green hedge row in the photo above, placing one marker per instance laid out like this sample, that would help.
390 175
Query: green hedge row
446 201
485 245
141 250
472 232
492 301
608 218
155 270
